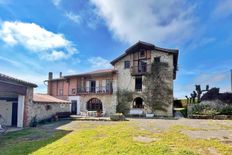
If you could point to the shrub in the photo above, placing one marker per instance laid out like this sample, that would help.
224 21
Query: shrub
202 109
34 122
117 117
184 112
124 97
226 110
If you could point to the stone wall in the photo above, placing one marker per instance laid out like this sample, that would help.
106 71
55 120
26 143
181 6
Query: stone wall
109 102
47 110
28 100
6 111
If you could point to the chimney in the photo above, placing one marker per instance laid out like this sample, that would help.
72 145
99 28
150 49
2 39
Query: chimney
60 74
50 76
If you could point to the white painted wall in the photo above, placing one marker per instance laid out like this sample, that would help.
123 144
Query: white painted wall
75 98
6 111
20 110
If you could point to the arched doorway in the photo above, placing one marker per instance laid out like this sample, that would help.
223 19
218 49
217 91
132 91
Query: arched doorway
138 103
94 104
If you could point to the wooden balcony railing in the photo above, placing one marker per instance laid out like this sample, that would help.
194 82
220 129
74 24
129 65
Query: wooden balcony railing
140 70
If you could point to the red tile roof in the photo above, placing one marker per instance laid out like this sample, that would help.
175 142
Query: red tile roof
101 71
44 98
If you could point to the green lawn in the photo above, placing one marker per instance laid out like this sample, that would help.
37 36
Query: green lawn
113 138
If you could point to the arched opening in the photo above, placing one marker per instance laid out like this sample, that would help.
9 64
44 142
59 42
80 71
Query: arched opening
138 103
94 104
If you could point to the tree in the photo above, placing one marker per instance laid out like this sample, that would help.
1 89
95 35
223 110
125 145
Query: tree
158 91
124 98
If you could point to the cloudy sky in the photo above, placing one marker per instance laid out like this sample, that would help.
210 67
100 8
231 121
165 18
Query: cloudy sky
74 36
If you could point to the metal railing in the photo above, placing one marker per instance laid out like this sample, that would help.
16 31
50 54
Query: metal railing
140 70
95 90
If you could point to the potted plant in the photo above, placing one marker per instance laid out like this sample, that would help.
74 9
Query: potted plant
99 113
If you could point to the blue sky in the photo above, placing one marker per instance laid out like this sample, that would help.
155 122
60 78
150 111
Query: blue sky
74 36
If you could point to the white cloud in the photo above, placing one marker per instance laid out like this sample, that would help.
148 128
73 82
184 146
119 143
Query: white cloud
56 2
151 20
99 62
46 44
12 62
223 9
73 17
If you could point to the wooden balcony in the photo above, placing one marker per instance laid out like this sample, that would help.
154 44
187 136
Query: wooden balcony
95 90
140 70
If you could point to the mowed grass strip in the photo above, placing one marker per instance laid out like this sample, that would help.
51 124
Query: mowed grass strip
117 138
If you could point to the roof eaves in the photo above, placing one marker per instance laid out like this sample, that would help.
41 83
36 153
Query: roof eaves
12 79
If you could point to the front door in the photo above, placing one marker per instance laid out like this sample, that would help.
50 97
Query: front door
14 119
74 107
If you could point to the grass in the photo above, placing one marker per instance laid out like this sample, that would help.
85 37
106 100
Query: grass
116 138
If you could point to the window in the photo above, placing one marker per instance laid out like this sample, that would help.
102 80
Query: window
73 91
142 68
48 107
156 59
138 83
142 53
126 64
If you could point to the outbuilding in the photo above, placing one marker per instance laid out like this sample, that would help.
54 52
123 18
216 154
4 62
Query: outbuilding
15 96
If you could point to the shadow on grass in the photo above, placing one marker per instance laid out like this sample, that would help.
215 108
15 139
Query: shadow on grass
153 118
29 140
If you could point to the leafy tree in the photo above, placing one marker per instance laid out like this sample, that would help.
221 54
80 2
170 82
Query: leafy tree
157 89
124 98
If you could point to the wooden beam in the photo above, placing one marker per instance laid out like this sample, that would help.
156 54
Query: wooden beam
11 88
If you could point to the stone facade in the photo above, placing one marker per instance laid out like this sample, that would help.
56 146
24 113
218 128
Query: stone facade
126 81
109 102
27 107
46 110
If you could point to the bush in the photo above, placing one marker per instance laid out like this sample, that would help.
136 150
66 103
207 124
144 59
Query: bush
226 110
202 109
124 99
117 117
184 112
34 122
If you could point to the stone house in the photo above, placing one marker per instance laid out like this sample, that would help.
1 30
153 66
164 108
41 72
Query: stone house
97 90
18 105
45 106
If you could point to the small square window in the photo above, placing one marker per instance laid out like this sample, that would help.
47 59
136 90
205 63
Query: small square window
156 59
142 53
126 64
